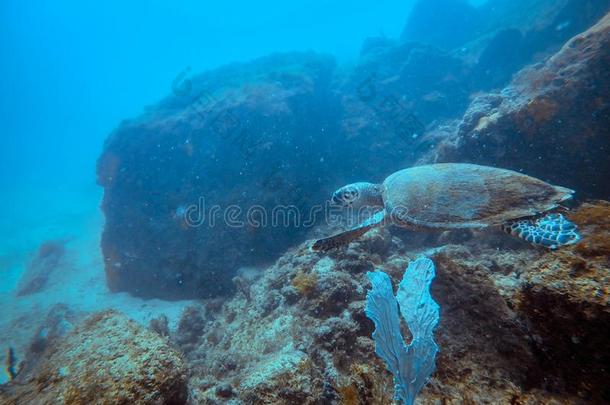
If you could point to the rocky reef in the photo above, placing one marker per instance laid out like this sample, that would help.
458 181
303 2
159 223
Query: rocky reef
106 359
255 136
518 325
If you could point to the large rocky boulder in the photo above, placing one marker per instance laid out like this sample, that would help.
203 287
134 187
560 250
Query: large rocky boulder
552 121
515 33
274 135
242 136
108 359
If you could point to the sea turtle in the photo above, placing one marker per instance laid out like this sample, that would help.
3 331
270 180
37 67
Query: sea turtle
460 195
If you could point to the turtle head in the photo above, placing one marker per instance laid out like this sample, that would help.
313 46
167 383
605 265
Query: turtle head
346 195
358 195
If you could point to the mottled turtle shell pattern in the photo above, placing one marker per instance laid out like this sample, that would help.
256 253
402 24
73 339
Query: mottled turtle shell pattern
461 195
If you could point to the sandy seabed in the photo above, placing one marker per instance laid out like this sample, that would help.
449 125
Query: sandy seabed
35 216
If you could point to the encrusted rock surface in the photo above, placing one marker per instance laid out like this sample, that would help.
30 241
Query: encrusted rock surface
222 139
552 121
566 303
58 322
108 359
519 324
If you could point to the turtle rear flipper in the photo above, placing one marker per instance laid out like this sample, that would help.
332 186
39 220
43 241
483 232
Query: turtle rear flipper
550 231
343 238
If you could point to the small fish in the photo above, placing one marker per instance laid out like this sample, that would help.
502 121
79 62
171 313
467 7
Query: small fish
11 361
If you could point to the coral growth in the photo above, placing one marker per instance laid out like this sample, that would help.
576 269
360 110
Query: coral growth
305 283
106 359
596 245
518 326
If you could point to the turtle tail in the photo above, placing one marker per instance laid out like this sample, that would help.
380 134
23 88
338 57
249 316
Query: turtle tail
551 231
343 238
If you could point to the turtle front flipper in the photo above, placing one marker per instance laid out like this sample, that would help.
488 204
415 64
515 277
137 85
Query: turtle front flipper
343 238
551 231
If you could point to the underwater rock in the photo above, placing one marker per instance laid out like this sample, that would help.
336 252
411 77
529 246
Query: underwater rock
498 38
244 279
506 53
190 327
398 90
519 32
552 118
48 258
545 24
239 136
224 391
498 333
57 323
559 302
106 359
566 304
402 87
244 135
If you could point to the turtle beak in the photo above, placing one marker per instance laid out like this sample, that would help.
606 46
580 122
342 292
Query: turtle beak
335 200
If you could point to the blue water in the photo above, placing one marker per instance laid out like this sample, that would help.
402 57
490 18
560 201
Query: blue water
72 71
117 118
